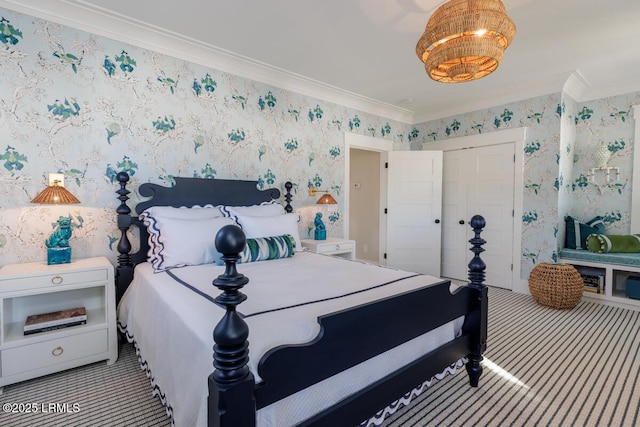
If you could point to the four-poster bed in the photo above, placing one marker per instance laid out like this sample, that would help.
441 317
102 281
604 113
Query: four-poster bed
403 327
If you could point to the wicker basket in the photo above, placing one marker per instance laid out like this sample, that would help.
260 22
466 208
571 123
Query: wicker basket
556 285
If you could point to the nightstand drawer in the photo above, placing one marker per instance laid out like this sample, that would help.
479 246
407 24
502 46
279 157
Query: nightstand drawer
336 248
47 353
54 279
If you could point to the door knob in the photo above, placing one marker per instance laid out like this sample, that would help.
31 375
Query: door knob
461 222
437 221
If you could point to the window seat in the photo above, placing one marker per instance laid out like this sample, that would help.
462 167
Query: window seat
616 269
631 259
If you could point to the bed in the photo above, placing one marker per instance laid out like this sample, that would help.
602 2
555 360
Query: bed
350 337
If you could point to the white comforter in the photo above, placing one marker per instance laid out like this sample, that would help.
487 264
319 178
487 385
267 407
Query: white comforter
172 327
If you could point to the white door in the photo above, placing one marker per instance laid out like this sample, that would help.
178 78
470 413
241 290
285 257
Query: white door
454 211
414 200
479 181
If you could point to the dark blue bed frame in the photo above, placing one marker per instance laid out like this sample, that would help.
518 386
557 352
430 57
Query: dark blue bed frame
345 338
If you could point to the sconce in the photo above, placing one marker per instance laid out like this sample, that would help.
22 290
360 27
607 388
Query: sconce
601 158
606 172
326 199
58 249
55 193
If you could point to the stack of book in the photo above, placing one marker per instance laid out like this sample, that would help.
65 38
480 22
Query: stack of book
55 320
593 283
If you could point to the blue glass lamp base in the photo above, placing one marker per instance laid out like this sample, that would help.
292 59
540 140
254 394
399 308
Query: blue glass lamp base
58 255
320 235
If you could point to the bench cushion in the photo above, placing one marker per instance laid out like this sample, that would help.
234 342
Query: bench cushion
609 258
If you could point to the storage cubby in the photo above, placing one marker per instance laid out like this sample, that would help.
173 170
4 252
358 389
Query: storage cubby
16 310
615 281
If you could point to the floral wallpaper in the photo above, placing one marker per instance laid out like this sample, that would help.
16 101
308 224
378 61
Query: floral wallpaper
88 107
562 136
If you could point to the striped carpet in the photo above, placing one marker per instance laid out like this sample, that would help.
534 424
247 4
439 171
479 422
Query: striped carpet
543 367
107 396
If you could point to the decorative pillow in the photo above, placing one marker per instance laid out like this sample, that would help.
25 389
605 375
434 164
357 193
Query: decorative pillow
152 215
266 248
577 232
267 226
604 243
195 212
176 242
271 208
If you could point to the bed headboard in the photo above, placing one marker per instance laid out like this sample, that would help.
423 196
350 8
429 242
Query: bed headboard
185 192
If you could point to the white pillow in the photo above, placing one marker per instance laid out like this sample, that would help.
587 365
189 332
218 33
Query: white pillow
176 242
269 226
195 212
272 208
153 214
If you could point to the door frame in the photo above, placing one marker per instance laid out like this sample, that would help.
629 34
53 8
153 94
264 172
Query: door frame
365 142
516 136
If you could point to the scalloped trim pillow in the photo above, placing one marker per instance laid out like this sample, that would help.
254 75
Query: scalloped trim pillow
178 242
266 248
605 243
577 232
154 219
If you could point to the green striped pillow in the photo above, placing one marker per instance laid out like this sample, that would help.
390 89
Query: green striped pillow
265 248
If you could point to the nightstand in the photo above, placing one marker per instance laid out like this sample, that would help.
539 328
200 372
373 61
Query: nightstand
37 288
332 246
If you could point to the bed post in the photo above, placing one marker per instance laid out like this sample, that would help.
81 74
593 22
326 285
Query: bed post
124 269
477 320
287 197
231 385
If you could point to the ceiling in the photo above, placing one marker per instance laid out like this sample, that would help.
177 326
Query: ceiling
361 53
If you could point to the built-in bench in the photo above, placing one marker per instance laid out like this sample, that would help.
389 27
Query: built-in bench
615 267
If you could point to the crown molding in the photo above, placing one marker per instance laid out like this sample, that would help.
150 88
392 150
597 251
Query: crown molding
613 89
508 95
575 85
86 17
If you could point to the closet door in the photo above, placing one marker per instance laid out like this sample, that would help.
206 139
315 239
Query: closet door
479 181
414 200
454 214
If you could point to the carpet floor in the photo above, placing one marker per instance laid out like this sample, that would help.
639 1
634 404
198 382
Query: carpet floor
543 367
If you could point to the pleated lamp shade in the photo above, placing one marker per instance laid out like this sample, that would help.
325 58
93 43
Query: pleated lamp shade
55 195
326 199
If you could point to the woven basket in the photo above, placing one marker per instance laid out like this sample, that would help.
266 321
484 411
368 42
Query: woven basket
556 285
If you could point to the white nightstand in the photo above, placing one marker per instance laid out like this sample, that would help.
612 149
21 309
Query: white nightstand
332 246
37 288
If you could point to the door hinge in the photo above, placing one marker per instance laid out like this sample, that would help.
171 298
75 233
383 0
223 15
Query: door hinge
511 267
513 212
386 210
514 158
385 255
386 165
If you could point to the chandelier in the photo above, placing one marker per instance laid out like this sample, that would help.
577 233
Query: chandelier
464 40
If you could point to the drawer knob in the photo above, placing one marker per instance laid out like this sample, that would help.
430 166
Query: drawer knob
337 247
56 280
57 351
